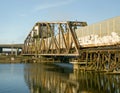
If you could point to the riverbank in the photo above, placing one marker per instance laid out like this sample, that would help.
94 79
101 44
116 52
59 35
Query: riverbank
23 59
11 59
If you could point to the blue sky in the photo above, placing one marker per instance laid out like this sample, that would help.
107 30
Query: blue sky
17 17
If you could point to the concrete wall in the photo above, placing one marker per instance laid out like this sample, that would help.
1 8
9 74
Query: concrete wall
103 33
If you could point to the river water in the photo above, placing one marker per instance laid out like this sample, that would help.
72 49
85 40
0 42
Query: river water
54 78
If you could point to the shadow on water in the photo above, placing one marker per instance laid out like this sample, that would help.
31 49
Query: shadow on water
52 78
60 68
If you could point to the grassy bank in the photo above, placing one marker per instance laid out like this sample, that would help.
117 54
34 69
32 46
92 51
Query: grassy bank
10 59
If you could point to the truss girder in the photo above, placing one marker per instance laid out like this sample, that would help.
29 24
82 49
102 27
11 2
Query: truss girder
53 38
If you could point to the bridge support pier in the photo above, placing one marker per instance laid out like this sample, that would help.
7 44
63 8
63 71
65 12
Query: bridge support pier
1 50
75 66
16 52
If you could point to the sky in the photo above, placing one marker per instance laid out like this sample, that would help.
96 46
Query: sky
17 17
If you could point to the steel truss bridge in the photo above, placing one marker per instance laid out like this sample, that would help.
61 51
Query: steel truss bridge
55 38
58 40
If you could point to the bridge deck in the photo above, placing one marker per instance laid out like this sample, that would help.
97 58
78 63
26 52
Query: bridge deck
11 45
51 54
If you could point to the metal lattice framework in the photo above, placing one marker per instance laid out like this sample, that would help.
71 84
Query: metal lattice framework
53 38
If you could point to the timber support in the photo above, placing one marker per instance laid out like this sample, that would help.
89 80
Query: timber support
99 60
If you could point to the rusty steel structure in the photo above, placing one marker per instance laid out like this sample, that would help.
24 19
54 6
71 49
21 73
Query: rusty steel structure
64 40
53 38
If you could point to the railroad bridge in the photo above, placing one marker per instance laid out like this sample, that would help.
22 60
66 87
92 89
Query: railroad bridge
88 47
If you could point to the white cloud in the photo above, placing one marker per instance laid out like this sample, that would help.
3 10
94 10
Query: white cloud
48 4
53 4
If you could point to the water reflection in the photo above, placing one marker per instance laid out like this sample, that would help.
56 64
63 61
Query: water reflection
52 79
11 79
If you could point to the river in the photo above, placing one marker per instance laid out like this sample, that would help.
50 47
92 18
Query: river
54 78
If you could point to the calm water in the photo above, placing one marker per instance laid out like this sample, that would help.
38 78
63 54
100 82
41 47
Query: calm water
37 78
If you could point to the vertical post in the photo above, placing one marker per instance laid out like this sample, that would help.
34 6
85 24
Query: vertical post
12 50
86 59
109 60
16 52
91 57
98 60
47 42
59 40
1 50
103 61
115 57
115 62
38 39
118 56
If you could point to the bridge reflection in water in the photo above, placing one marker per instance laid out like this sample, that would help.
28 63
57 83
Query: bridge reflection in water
54 79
